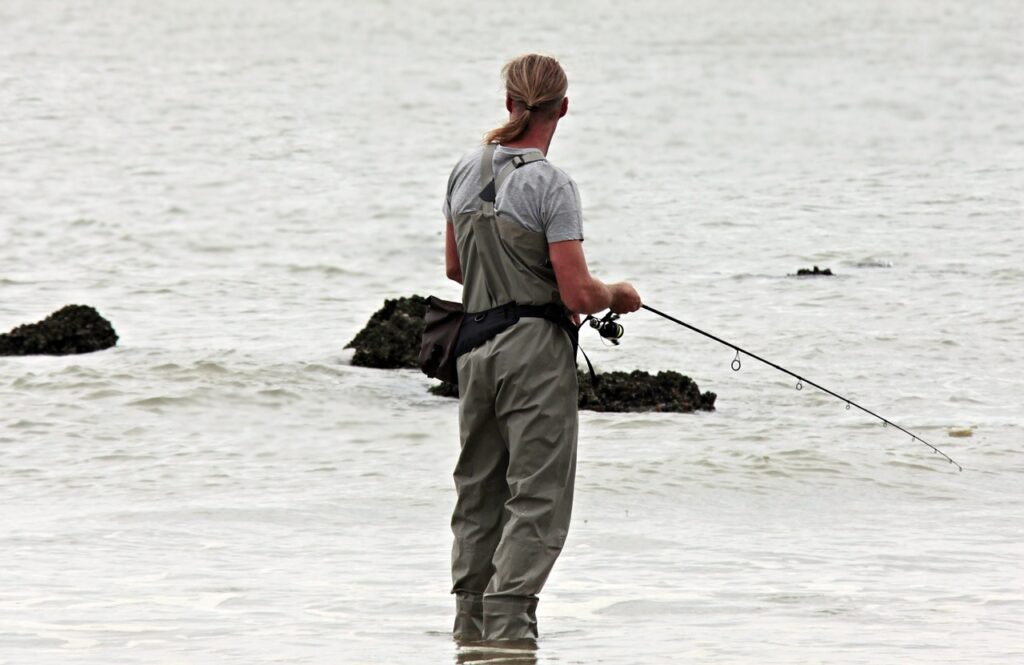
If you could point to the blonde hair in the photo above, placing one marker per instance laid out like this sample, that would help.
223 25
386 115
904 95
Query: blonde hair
537 84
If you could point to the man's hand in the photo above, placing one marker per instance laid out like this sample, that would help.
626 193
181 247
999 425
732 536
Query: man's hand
625 299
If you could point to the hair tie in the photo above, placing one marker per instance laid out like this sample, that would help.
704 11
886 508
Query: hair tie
531 107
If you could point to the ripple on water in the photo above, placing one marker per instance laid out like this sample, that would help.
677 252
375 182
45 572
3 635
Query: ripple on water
635 608
104 393
324 270
159 402
210 367
869 262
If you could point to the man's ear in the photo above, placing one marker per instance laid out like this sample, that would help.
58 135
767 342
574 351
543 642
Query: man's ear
508 102
565 107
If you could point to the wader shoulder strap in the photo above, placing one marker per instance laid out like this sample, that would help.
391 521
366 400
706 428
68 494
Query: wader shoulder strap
487 164
489 188
517 161
487 178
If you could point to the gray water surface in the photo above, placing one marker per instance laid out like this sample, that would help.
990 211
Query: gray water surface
238 186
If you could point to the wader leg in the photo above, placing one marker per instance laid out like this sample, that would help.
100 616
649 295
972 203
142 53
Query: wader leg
478 517
536 405
510 618
469 616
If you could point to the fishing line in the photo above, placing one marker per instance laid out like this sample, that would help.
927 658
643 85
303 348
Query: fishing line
736 364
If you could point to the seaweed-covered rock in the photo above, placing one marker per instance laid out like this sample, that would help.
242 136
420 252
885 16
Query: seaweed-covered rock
630 391
391 338
808 272
641 391
71 329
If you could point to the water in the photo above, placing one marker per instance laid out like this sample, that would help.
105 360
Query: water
238 186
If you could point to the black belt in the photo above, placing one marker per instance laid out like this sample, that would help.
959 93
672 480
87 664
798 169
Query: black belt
480 327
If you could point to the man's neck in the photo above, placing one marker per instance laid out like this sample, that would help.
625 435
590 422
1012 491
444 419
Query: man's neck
537 136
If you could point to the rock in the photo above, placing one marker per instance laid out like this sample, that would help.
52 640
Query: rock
444 389
391 338
71 329
640 391
804 272
630 391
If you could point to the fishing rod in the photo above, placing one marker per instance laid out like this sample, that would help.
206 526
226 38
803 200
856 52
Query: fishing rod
610 329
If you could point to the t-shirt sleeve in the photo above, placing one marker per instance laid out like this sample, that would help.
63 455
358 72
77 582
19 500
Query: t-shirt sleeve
563 214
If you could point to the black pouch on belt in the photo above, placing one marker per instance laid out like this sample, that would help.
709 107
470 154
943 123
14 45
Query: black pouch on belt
443 320
480 327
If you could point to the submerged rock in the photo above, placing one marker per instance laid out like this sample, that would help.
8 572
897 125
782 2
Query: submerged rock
391 338
804 272
444 389
71 329
666 391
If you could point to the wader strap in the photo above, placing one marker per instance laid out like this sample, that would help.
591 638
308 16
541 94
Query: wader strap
487 164
517 161
487 179
590 366
489 188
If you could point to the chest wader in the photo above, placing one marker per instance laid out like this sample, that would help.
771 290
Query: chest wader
517 423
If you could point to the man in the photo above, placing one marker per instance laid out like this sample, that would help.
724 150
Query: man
514 235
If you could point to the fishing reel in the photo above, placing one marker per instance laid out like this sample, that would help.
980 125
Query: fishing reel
608 327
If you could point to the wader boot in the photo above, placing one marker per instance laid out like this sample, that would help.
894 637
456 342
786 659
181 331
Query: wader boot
518 426
469 616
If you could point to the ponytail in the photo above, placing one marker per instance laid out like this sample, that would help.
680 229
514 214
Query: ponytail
536 84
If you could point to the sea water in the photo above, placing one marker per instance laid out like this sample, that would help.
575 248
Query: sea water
237 186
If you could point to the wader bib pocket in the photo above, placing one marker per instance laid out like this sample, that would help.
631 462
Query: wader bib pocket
443 320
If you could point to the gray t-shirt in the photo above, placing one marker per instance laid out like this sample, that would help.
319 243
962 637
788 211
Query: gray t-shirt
539 195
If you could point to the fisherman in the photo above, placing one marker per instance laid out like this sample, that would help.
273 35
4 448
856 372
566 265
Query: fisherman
514 235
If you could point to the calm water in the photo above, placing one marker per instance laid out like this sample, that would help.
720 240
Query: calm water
238 186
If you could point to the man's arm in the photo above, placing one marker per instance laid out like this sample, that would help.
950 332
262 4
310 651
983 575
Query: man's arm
452 267
583 293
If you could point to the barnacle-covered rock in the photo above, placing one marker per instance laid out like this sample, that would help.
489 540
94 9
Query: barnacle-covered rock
642 391
391 338
71 329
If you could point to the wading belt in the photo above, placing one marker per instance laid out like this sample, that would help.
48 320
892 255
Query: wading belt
480 327
484 326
